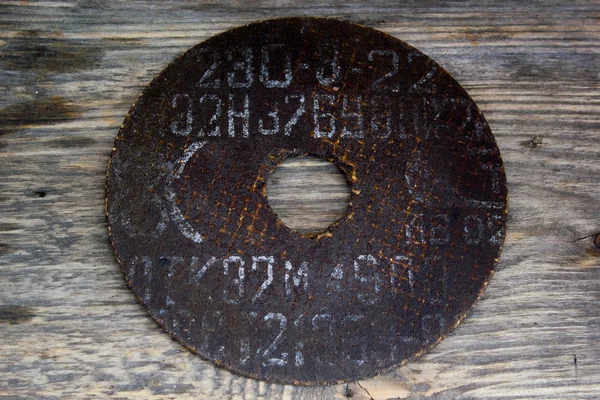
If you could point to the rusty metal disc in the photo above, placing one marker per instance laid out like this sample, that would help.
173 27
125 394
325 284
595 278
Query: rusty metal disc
203 251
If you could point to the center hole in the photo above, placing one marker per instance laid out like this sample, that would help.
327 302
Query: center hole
308 194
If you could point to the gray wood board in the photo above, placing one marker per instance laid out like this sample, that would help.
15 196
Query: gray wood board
69 71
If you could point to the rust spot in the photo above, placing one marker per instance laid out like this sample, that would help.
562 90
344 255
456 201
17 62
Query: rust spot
472 38
43 111
589 260
592 253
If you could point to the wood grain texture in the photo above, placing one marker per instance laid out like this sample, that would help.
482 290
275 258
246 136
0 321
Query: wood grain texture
69 71
308 194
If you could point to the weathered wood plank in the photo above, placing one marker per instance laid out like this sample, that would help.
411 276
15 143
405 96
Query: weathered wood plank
69 72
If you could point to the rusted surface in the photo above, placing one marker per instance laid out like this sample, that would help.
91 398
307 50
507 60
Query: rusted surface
203 251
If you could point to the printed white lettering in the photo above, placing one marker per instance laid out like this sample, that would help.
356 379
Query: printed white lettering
212 127
296 279
282 360
273 131
372 283
324 120
243 68
189 120
207 80
264 68
244 115
395 64
333 64
353 126
287 129
255 262
239 281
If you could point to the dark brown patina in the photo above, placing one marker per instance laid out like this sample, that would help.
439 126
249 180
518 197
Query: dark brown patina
203 251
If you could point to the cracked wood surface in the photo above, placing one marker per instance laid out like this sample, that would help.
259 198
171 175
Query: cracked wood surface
69 72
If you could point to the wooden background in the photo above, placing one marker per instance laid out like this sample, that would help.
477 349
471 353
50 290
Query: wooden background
70 70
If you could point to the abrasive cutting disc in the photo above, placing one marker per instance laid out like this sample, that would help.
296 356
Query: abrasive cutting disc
203 251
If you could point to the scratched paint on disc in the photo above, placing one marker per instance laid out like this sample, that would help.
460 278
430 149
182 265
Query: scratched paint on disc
203 251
